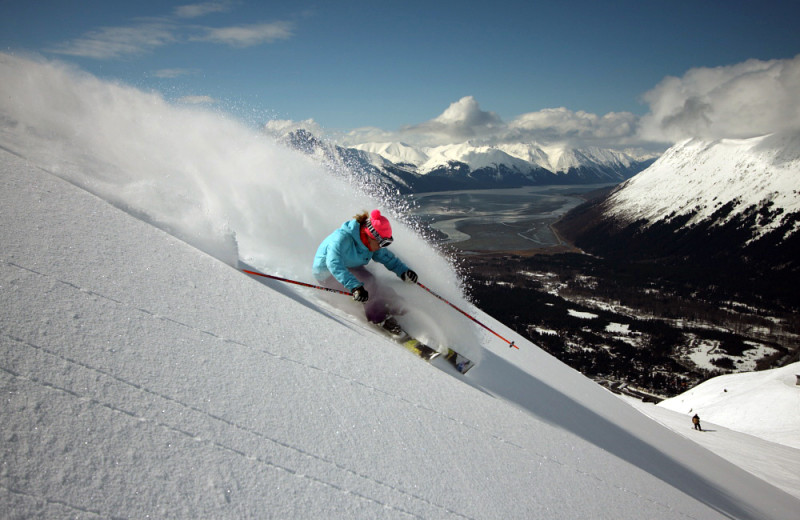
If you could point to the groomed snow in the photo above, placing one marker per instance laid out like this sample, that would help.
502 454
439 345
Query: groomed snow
146 377
775 462
764 404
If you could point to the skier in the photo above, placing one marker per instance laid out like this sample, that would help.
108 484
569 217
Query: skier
341 258
696 422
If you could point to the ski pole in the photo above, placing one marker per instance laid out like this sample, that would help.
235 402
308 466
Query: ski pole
510 343
321 288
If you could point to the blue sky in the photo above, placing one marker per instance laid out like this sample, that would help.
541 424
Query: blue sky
398 65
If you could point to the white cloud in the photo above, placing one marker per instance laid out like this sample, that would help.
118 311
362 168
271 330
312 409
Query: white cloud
281 127
116 42
461 121
466 111
202 9
743 100
748 99
248 35
563 125
465 120
113 42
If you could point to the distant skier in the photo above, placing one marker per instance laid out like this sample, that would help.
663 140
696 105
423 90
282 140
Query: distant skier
696 422
341 258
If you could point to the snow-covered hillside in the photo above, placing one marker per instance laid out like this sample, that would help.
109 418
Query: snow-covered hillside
764 404
143 375
699 178
750 419
721 215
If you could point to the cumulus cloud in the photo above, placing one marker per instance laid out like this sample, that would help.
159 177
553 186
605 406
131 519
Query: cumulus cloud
563 125
464 120
461 121
743 100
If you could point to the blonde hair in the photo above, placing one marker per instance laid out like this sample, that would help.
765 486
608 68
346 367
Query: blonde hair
362 218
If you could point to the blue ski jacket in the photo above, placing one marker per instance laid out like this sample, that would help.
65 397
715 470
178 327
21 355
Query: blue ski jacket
343 249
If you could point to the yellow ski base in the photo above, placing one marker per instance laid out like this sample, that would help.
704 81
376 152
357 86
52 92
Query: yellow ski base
420 349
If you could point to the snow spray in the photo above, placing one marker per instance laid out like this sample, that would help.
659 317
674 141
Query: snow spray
225 187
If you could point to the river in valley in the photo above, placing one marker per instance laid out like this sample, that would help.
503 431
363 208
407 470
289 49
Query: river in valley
480 221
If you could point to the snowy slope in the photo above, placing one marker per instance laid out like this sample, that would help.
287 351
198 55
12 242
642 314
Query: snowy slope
143 375
776 463
699 177
764 404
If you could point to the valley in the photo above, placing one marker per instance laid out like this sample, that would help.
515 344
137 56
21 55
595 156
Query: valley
686 271
627 325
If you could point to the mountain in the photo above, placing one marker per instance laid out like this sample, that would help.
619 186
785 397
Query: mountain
470 166
369 168
726 212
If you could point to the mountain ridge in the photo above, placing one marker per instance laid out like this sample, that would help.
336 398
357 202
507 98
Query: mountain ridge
726 209
467 165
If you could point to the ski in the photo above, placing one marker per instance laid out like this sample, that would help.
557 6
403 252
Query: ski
391 328
461 363
420 349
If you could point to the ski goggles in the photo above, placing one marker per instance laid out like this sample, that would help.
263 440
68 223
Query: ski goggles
382 242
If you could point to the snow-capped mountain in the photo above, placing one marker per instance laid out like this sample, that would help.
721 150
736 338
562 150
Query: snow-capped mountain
467 165
756 180
370 167
397 153
726 208
558 160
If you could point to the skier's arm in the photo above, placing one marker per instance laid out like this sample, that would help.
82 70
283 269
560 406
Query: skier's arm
337 267
392 263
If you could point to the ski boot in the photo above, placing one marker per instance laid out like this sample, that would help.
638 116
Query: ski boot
391 326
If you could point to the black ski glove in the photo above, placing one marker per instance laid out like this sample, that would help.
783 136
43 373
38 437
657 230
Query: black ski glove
409 276
360 294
